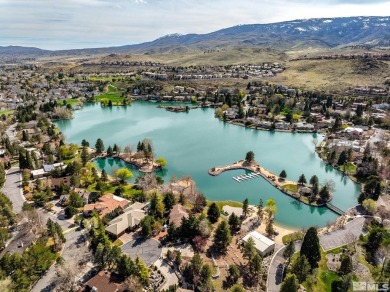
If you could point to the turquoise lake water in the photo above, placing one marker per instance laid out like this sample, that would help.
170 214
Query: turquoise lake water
194 142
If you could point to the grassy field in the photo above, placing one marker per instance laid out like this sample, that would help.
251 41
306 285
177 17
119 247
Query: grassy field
6 112
220 204
290 187
72 101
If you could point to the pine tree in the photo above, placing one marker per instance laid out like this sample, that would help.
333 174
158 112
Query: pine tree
234 222
109 151
345 265
245 207
301 268
84 155
290 284
213 213
311 247
302 179
99 145
222 237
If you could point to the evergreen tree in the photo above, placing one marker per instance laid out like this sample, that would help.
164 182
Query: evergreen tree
290 284
283 174
324 193
342 158
345 265
99 145
84 156
245 207
109 151
234 222
260 210
302 179
234 274
313 180
311 247
301 268
289 250
169 201
85 143
222 237
213 213
249 249
104 176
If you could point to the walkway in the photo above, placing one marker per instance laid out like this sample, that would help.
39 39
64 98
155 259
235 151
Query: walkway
13 188
350 233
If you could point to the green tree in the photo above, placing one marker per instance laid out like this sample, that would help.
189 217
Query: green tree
147 226
370 206
314 180
269 228
84 156
234 274
249 249
271 208
237 288
311 247
283 174
342 158
169 201
324 193
345 265
222 237
301 268
161 161
124 174
110 152
104 176
245 207
234 222
260 210
213 213
290 284
302 179
99 145
250 156
255 267
289 251
84 143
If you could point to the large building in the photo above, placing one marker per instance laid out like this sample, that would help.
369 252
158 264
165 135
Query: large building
263 245
106 204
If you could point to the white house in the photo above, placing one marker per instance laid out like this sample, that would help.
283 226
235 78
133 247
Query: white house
263 245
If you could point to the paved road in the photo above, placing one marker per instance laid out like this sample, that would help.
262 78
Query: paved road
168 272
13 188
275 270
340 237
74 248
11 133
328 241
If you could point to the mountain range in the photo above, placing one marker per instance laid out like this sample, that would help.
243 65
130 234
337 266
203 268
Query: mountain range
288 35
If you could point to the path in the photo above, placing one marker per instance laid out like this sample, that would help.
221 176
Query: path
328 241
13 188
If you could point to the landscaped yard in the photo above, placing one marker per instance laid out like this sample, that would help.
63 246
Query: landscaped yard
291 188
220 204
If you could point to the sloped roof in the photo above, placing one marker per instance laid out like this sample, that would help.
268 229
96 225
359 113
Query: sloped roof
262 243
177 213
131 217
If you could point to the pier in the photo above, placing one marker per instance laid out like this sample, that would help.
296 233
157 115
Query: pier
246 177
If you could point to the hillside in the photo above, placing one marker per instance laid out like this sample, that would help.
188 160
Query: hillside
289 35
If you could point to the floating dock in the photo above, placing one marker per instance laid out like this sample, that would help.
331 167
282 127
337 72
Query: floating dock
246 177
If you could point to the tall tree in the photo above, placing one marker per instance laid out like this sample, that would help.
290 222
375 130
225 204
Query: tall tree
301 268
84 143
99 145
345 265
234 222
260 210
250 156
110 152
104 176
314 180
302 179
169 201
245 207
311 247
84 155
290 284
222 237
283 174
213 213
289 251
124 174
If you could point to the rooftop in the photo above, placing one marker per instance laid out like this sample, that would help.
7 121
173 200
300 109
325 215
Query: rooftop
261 242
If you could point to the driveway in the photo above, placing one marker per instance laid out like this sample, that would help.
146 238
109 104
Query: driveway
275 270
10 132
13 188
168 272
148 250
340 237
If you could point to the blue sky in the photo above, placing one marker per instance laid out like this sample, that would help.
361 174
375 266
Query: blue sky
69 24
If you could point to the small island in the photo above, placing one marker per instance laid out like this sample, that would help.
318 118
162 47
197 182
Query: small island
309 194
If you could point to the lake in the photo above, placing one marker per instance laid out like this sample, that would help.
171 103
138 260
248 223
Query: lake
194 142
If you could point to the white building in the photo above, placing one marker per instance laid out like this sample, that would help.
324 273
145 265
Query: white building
263 245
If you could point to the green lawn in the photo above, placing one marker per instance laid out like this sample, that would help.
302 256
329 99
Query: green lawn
6 112
350 168
290 187
72 101
220 204
298 235
115 97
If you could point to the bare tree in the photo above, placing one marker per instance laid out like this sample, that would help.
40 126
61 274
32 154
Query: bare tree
147 182
330 185
132 284
65 276
128 151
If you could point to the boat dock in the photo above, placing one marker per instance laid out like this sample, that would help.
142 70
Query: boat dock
245 177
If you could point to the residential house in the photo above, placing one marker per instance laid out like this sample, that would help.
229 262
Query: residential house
129 220
104 281
106 204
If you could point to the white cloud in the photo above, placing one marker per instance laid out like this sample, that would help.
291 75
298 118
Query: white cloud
67 24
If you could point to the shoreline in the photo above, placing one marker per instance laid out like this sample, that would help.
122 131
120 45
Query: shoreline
268 176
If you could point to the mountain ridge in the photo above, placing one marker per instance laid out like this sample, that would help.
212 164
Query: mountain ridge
371 31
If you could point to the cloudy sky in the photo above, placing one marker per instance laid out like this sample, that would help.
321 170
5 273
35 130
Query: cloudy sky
68 24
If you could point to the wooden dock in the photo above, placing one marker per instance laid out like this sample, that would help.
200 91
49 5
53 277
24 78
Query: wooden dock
245 177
